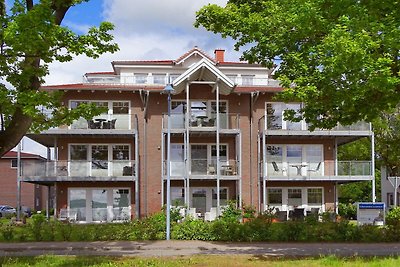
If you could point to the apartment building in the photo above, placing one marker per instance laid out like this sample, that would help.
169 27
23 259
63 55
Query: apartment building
32 195
228 141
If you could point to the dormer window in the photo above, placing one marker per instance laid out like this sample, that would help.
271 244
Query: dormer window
247 79
141 78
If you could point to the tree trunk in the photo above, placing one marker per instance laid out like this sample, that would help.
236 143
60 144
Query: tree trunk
14 132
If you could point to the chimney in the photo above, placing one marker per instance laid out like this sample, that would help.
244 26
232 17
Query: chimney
219 55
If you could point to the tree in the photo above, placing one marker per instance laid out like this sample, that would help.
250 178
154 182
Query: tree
31 37
339 57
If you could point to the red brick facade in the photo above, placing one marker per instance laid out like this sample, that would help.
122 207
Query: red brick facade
148 143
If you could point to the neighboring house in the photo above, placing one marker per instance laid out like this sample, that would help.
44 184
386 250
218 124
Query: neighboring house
388 185
32 195
229 141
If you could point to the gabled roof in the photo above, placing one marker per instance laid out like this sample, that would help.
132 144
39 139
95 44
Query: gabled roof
204 70
191 52
24 155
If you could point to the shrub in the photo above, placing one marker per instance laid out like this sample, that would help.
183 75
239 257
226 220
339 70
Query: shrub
393 225
348 211
36 226
231 213
65 230
7 231
191 229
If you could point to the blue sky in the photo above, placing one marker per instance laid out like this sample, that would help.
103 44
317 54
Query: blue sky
150 29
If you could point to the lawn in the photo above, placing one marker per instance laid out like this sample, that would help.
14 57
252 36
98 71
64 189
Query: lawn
200 260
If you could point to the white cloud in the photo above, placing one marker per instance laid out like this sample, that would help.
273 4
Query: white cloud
172 16
151 29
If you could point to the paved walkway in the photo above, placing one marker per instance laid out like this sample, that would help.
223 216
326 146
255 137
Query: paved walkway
186 248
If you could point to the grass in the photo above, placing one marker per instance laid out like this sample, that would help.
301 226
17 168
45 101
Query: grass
198 260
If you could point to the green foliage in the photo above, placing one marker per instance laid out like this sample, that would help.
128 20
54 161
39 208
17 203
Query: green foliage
7 231
37 223
231 213
149 228
261 228
339 57
348 211
192 230
249 211
32 37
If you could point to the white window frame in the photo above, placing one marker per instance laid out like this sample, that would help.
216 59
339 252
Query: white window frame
89 198
89 155
304 159
304 197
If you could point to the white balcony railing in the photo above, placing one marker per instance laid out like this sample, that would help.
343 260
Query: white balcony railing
279 124
203 167
107 122
226 120
162 80
318 170
78 168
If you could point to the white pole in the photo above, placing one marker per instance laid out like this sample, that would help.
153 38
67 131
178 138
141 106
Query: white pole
18 181
169 168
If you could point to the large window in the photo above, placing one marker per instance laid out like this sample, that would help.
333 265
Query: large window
314 196
274 196
294 197
177 196
100 204
223 197
115 116
286 198
295 160
275 116
99 159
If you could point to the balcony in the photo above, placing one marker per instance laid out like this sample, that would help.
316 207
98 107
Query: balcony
105 122
228 121
162 79
276 126
78 170
319 171
204 169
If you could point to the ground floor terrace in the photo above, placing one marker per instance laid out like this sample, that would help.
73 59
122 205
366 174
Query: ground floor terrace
95 202
298 199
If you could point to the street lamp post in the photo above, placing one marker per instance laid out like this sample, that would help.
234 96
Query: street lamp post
169 90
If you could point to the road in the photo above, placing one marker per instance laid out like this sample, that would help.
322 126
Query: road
187 248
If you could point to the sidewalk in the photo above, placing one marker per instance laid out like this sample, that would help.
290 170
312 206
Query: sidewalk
187 248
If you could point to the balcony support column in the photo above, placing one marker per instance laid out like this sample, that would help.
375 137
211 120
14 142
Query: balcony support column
137 176
163 165
258 173
186 168
264 175
187 147
373 166
218 155
336 160
238 167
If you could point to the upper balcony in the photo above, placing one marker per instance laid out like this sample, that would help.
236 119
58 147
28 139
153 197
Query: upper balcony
277 126
203 169
161 79
105 124
318 171
48 172
228 122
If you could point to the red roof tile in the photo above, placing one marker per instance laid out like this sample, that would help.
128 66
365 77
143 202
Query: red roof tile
13 154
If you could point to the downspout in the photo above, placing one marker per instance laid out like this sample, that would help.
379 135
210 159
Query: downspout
253 99
218 155
251 147
145 96
137 162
